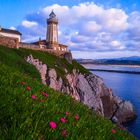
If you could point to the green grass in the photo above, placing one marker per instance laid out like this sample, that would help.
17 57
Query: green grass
11 58
59 64
15 58
22 118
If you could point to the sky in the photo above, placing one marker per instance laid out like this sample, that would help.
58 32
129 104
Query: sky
92 29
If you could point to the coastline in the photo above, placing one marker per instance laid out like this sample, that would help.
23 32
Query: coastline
104 68
117 71
127 87
136 66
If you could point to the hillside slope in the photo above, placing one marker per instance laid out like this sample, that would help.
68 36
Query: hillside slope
27 107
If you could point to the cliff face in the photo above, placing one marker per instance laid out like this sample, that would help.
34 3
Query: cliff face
88 89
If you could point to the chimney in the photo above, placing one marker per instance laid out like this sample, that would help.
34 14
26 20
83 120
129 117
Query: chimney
0 28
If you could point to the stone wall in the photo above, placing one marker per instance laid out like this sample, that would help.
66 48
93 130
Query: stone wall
28 46
62 54
9 42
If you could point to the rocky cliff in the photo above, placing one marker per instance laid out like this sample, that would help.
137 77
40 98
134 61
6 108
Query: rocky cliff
88 89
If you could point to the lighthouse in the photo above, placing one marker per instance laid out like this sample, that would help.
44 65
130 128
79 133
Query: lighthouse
52 32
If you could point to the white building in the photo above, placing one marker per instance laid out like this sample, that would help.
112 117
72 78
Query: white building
10 33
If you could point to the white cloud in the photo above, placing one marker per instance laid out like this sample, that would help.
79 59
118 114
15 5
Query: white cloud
114 20
12 28
115 43
29 24
80 39
91 26
88 10
134 22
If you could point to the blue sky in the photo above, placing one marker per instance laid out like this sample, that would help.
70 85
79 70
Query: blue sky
12 12
92 29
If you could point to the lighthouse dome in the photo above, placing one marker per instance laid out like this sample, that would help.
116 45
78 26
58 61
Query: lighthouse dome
52 18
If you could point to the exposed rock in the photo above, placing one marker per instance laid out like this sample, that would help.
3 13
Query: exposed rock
68 57
124 111
89 89
42 68
54 82
72 80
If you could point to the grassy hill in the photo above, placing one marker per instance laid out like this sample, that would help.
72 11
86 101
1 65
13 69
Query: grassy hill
27 107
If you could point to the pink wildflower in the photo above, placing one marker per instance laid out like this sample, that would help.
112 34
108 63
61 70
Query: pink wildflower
113 131
63 120
76 117
67 113
53 125
33 97
28 88
44 94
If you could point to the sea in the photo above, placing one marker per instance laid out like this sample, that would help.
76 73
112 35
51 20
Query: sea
124 85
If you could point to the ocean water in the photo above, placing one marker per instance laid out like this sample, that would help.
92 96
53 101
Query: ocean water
127 86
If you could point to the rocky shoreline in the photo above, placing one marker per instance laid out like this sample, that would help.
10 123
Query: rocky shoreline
88 89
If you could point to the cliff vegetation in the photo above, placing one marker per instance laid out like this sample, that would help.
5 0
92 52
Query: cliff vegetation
31 110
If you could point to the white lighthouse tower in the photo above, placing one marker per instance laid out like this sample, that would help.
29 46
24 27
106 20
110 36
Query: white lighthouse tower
52 32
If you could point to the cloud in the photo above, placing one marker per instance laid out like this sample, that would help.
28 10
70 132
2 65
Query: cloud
134 22
87 27
117 44
90 27
12 28
100 55
29 24
114 20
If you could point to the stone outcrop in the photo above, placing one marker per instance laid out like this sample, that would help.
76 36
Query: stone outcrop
88 89
124 110
68 56
42 68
